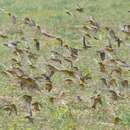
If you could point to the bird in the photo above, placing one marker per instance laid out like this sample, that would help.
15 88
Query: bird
69 13
79 9
86 43
13 18
28 100
102 54
114 95
97 100
37 44
126 29
3 35
30 119
36 106
12 44
45 33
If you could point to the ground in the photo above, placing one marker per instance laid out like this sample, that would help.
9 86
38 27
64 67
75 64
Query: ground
67 112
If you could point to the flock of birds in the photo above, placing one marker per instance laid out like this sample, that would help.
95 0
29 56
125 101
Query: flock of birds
111 68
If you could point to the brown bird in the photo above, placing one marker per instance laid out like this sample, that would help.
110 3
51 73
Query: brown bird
116 120
48 86
113 82
97 100
11 108
2 35
36 106
69 13
28 100
86 43
117 71
30 119
95 26
111 32
13 18
105 82
12 44
45 33
60 40
79 9
29 21
114 95
102 54
102 67
29 83
68 81
37 44
126 29
125 83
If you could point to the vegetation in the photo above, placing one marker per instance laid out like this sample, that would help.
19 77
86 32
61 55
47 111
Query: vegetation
64 65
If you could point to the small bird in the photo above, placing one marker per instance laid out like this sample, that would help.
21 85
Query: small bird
113 83
79 9
69 13
13 18
114 95
29 21
30 119
126 29
95 26
116 120
97 100
79 98
12 44
48 86
36 106
125 83
37 44
111 32
29 83
102 54
104 81
86 43
2 35
11 108
60 40
45 33
102 67
28 100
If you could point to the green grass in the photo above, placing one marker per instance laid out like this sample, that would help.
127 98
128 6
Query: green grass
51 14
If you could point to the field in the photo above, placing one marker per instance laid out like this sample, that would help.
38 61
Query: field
74 75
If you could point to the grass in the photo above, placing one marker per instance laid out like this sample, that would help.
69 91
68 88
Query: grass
51 14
